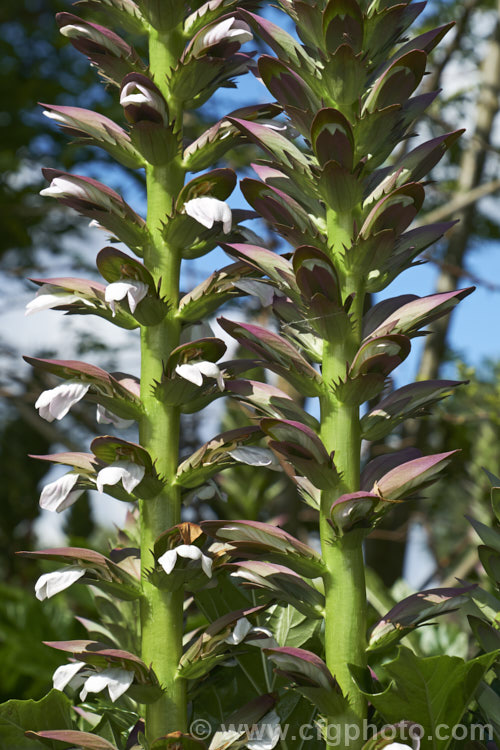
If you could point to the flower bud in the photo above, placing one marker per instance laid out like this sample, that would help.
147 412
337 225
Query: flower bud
142 100
91 38
229 30
76 190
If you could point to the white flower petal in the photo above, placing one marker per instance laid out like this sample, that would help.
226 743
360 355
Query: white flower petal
119 681
240 631
135 94
266 734
52 583
58 495
206 565
61 187
228 30
75 31
65 673
224 739
47 298
397 746
126 472
137 98
273 124
57 116
115 679
56 402
211 370
207 210
65 187
191 373
252 456
168 560
104 416
117 290
188 552
195 371
134 291
136 294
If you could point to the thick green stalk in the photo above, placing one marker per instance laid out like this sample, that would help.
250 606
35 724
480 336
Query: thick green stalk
345 592
161 611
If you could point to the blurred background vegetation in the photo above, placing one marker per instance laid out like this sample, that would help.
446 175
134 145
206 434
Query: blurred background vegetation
39 66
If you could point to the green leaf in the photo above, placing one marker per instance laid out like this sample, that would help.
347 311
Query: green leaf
216 602
122 13
254 540
495 501
489 703
490 560
290 627
490 537
208 12
344 77
340 188
486 635
16 717
430 691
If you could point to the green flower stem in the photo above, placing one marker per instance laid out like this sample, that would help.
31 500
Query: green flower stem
345 591
161 611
